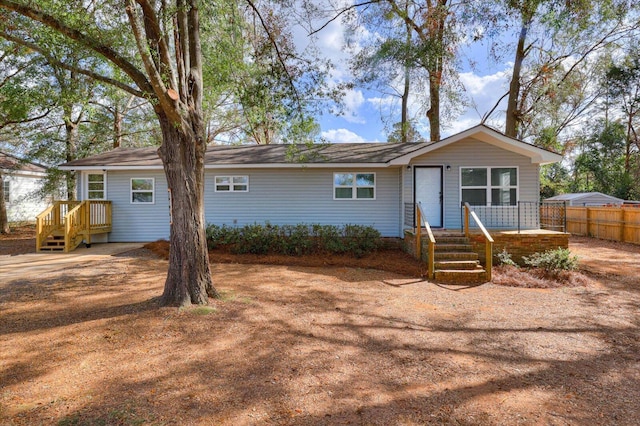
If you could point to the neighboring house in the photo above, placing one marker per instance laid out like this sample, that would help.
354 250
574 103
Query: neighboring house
22 182
373 184
587 199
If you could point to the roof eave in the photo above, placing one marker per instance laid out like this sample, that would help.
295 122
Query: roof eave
234 166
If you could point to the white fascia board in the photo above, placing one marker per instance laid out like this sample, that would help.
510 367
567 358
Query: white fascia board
240 166
299 166
99 167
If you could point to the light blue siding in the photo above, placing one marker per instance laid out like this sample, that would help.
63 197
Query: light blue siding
137 222
473 153
277 196
291 196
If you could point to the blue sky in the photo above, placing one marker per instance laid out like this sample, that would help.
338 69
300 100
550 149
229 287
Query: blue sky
362 122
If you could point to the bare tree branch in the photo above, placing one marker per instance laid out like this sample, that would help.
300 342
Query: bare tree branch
6 123
55 62
158 86
48 20
342 12
278 53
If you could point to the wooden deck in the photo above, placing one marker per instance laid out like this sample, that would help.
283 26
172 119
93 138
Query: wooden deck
66 224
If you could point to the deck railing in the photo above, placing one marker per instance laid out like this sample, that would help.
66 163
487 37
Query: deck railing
422 219
469 213
52 219
521 215
78 220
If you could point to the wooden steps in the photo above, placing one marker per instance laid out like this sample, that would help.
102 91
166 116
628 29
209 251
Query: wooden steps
455 260
53 243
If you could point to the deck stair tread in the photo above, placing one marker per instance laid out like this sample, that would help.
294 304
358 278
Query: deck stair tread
455 260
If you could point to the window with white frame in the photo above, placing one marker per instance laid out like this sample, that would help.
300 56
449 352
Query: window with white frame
232 183
6 189
493 186
142 190
95 186
354 186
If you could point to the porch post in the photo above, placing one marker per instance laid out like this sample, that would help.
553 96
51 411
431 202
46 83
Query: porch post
418 232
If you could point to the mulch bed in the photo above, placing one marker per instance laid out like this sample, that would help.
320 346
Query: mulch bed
390 260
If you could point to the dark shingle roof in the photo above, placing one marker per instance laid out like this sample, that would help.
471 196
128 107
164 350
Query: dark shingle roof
9 162
351 153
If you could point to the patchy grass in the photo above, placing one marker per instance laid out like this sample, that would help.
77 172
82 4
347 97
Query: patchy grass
202 310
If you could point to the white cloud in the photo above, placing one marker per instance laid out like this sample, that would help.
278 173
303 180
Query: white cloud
342 136
384 102
353 100
486 85
459 125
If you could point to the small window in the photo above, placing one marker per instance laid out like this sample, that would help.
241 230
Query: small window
232 183
95 186
495 186
6 189
142 190
349 186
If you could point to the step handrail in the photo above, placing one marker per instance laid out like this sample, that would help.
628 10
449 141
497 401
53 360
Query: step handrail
468 211
422 219
74 223
46 223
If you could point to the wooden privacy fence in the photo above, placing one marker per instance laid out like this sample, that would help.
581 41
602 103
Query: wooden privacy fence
607 223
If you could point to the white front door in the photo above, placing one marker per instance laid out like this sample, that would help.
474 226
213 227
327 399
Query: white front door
428 191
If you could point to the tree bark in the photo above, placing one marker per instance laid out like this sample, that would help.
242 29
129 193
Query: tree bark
405 94
433 113
189 276
513 113
71 137
4 222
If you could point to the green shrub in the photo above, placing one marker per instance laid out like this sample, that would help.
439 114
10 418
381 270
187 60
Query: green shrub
504 257
360 240
256 239
329 239
553 260
221 235
297 239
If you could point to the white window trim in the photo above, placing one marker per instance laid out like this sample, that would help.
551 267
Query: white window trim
354 187
104 184
488 186
231 188
132 191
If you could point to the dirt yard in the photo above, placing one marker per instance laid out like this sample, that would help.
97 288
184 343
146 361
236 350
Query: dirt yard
329 345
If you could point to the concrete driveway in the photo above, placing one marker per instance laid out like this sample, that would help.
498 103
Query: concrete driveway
23 265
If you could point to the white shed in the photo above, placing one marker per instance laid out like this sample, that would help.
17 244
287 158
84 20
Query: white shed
587 199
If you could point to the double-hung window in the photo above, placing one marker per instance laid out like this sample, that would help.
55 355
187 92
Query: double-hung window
96 186
232 183
354 186
142 190
494 186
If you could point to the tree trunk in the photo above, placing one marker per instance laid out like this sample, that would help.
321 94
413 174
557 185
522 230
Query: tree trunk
117 127
405 94
71 137
189 276
4 222
433 113
513 113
